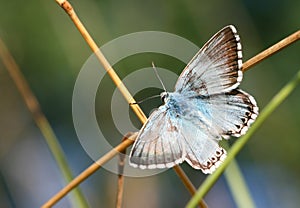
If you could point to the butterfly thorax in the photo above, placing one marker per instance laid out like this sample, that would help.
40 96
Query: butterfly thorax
164 96
190 107
173 101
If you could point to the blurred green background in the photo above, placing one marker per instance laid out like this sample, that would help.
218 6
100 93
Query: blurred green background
51 52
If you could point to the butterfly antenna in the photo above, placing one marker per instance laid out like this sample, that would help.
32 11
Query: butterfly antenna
147 98
155 70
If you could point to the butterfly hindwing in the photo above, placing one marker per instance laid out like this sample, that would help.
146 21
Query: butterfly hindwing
233 112
216 68
201 143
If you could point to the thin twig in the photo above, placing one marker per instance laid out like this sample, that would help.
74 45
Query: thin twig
40 119
121 164
188 184
272 50
111 72
89 171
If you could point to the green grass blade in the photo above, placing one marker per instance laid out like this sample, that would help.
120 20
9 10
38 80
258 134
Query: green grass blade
272 105
238 187
78 200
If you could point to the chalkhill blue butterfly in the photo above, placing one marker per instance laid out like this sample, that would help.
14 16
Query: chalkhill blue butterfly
205 107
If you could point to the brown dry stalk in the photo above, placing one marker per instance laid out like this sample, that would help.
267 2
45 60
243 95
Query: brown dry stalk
121 164
87 37
181 174
272 50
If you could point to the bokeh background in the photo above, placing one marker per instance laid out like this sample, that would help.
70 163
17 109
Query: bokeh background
50 52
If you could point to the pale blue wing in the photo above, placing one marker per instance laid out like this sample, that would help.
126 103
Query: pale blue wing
228 114
202 148
196 131
216 68
233 112
205 119
158 144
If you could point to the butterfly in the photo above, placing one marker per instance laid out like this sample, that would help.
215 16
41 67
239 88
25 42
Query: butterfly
205 107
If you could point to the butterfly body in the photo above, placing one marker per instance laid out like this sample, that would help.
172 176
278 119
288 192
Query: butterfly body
205 107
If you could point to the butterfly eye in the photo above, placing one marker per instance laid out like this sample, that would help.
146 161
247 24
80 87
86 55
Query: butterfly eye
164 96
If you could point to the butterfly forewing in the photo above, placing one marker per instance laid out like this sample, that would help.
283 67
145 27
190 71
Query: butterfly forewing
158 144
216 68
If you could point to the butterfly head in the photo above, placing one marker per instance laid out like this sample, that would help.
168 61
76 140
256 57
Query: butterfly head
164 96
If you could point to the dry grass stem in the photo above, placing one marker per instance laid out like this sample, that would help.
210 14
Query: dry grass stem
188 184
87 37
272 50
120 174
